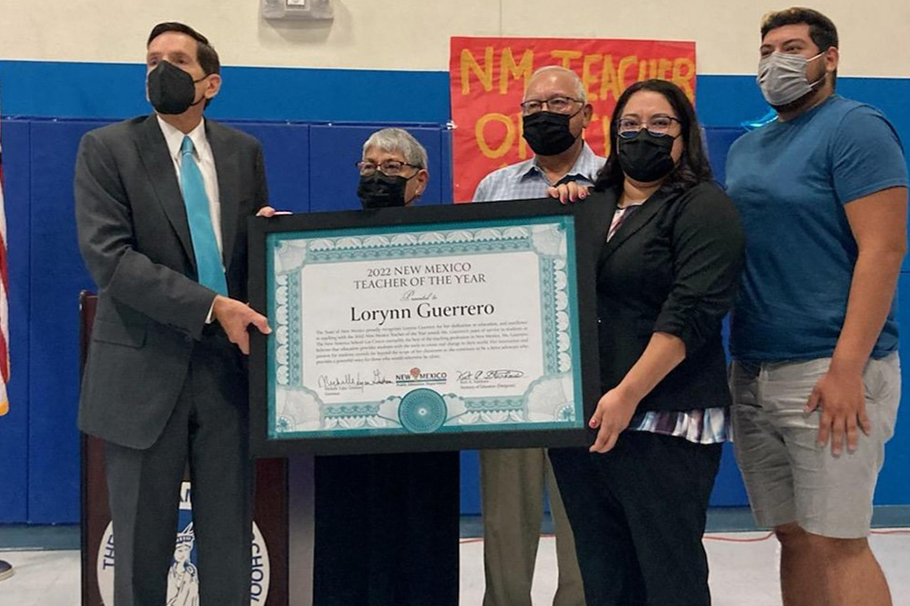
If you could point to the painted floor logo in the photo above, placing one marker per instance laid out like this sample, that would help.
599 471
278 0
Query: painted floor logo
183 576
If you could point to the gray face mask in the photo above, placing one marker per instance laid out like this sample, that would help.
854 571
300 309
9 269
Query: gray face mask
782 77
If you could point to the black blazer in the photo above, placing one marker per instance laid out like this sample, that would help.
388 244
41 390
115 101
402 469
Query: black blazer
673 267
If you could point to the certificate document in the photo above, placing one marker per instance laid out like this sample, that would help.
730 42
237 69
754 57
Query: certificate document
431 329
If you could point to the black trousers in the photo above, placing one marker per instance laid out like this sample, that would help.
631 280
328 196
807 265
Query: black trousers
638 515
387 530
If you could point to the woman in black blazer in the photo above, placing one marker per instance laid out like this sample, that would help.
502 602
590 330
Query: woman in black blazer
670 253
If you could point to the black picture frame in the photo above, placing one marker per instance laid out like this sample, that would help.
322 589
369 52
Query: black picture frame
587 247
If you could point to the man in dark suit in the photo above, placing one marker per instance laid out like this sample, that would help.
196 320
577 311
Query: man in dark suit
161 209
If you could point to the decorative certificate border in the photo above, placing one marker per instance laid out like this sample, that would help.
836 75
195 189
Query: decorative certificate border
290 416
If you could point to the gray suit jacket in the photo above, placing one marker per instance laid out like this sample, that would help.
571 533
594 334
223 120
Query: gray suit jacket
135 240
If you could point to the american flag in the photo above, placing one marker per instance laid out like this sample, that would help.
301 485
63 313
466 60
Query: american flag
4 302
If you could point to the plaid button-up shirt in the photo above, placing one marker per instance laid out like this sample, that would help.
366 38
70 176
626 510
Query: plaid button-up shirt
526 180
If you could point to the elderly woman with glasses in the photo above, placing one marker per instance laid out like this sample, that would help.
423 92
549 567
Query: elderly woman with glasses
386 526
393 169
669 259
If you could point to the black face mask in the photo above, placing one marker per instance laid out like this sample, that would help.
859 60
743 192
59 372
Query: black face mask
172 90
645 157
381 191
548 133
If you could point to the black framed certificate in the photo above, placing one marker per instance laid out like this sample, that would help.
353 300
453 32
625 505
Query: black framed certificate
439 328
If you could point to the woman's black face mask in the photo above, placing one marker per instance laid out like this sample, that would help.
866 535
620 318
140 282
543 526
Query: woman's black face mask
646 157
381 191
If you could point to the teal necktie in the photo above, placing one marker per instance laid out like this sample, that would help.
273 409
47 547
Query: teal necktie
205 247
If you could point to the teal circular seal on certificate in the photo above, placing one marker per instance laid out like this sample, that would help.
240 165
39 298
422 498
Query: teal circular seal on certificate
422 411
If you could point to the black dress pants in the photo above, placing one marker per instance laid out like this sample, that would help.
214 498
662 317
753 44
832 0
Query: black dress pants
638 515
387 530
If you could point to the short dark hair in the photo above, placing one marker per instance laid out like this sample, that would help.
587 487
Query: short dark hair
693 167
205 52
821 29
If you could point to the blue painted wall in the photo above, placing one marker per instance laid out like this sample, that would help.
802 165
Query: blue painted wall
48 105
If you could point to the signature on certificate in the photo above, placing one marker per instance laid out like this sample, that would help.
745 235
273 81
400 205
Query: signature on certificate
482 376
352 381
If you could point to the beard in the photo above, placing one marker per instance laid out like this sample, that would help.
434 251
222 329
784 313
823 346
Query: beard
807 100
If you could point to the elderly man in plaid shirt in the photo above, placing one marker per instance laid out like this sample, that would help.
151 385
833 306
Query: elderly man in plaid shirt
555 113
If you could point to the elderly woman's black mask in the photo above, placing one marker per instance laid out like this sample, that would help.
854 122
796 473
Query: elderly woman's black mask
381 191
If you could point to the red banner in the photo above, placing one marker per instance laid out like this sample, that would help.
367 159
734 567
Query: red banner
488 77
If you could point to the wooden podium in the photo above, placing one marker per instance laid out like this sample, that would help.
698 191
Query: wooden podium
269 553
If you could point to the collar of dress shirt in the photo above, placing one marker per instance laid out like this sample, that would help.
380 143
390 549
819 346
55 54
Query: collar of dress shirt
173 136
586 165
